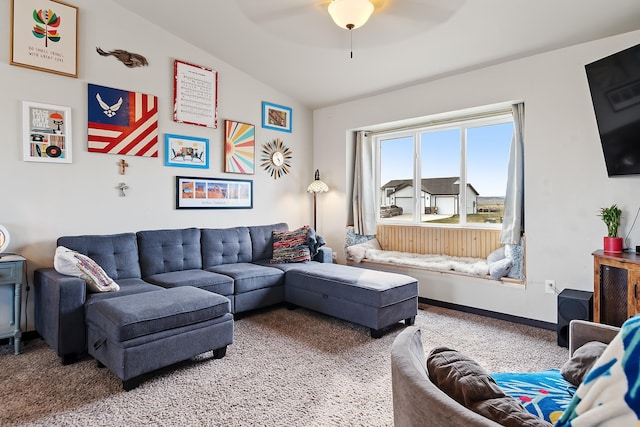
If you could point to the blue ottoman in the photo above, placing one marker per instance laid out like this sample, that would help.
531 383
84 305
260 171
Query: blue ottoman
370 298
136 334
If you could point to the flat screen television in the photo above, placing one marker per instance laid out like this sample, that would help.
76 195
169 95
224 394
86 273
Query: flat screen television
614 83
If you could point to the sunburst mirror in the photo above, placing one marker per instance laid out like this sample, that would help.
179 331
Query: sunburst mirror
276 158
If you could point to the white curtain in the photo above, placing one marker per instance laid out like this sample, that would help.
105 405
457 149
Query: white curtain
513 221
364 207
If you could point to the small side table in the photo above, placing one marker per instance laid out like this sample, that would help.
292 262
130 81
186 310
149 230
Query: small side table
11 267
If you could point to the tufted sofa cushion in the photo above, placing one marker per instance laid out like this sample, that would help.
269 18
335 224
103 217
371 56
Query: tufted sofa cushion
225 246
117 254
262 240
164 251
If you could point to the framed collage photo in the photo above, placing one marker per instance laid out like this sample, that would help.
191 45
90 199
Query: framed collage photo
213 193
46 135
276 117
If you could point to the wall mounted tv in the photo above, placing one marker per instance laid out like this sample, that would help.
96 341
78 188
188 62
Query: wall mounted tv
614 82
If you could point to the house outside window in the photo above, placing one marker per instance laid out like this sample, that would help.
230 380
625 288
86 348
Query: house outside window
448 173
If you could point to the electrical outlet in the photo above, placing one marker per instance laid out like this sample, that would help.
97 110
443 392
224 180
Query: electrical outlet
550 286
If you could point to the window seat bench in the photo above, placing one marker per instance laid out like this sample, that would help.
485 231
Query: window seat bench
475 253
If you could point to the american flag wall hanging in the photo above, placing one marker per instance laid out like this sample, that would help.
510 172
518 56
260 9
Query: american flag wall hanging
122 122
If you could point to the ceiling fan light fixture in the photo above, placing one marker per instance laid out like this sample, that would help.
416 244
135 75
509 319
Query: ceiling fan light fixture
350 14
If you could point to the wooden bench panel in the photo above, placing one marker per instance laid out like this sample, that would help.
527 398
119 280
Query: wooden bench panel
461 242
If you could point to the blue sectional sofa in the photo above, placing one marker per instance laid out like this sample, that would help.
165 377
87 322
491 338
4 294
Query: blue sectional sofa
232 262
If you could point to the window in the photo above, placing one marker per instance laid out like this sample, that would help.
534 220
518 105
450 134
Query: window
447 173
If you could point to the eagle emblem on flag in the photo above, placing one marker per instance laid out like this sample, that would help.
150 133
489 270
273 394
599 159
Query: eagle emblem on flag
122 122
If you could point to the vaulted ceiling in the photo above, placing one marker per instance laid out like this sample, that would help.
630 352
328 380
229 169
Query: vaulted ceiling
294 46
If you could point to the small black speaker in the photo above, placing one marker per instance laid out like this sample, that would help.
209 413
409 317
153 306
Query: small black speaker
572 304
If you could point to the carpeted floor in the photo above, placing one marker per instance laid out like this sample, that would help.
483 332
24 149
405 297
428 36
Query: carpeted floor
285 368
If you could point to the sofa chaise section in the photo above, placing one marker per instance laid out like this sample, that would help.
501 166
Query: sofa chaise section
369 298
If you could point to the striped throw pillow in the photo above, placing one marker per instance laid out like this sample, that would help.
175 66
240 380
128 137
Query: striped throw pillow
291 246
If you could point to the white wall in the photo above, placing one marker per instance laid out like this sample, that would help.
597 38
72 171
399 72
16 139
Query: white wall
564 162
42 201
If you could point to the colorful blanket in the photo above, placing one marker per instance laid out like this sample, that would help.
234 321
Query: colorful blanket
609 395
544 394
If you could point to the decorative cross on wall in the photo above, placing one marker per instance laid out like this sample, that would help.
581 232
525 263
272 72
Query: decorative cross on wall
122 165
122 187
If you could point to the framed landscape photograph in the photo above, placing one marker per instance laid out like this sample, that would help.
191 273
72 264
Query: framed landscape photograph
195 94
213 193
276 117
44 36
46 135
239 147
186 151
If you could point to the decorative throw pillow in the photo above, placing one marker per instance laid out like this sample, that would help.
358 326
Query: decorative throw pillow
496 255
462 379
291 246
581 362
315 242
358 252
516 254
352 238
76 264
500 268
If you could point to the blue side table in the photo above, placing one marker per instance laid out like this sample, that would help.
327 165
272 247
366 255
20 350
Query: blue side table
11 267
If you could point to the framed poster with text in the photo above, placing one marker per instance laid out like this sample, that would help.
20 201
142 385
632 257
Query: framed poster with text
195 91
44 36
46 133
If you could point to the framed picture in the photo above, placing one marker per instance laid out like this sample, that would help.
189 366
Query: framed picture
239 147
122 122
46 133
186 151
44 36
195 95
276 117
213 193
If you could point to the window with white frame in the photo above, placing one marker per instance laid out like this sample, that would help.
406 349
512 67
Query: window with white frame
454 172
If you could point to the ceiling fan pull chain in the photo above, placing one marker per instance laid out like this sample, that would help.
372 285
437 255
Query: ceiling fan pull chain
351 45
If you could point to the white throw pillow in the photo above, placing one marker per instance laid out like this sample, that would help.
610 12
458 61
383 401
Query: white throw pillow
496 255
358 252
76 264
500 268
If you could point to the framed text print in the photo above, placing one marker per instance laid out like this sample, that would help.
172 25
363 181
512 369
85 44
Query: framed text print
276 117
46 133
195 91
44 36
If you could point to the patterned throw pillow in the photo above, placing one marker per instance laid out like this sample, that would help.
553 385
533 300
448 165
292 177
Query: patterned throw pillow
76 264
291 246
516 254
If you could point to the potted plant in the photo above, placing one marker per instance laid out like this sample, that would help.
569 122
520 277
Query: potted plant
611 217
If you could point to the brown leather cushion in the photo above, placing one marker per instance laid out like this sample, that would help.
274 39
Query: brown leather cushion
462 379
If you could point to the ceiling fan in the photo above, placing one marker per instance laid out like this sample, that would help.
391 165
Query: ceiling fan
431 10
308 21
